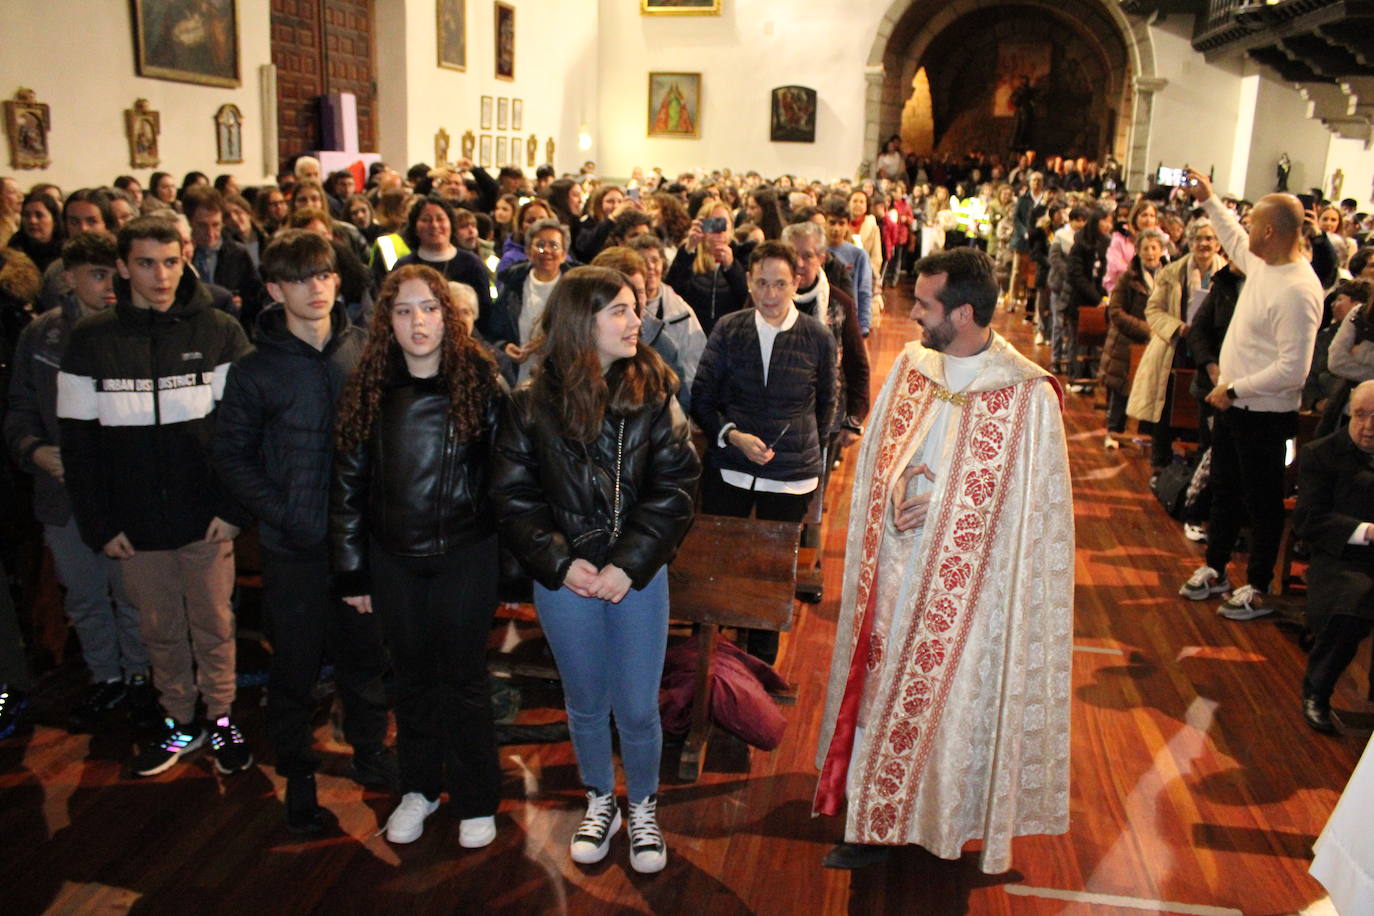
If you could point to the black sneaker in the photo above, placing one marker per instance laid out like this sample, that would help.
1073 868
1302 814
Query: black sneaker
12 705
96 703
176 741
228 747
141 700
376 766
593 838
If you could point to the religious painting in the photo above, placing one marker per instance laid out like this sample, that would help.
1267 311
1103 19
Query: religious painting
517 114
469 144
505 41
1020 65
679 7
674 104
484 151
532 150
441 144
229 134
453 34
548 152
27 121
502 113
486 113
190 41
794 115
143 125
502 151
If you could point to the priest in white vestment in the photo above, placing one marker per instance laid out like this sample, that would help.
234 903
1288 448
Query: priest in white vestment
947 709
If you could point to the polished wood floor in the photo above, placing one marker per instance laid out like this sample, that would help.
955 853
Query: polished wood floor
1196 786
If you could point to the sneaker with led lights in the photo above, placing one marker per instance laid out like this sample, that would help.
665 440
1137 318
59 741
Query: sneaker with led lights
176 741
228 747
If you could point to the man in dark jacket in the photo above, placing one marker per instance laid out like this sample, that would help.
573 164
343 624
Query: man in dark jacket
274 452
136 402
106 622
764 396
219 260
1335 515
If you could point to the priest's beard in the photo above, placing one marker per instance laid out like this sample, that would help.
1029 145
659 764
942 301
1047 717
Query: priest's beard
940 336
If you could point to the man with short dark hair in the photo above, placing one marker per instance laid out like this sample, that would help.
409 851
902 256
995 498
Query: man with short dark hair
274 451
136 402
764 395
947 711
856 262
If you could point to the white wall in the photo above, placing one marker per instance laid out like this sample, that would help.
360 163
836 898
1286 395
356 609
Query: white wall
1282 126
742 55
1357 166
555 76
78 56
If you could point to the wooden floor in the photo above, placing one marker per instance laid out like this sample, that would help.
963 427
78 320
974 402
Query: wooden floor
1196 786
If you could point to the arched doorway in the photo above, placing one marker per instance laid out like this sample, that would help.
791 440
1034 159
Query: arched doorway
1106 46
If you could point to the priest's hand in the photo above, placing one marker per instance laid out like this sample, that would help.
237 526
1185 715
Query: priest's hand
910 513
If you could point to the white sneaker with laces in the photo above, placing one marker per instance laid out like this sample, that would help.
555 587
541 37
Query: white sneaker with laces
476 832
1204 583
648 852
1245 603
592 840
407 822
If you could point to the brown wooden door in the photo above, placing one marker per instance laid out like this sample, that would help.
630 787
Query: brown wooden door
321 46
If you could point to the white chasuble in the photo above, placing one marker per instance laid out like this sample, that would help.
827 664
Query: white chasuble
949 681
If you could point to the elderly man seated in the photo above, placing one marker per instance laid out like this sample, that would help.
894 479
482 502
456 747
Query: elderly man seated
1335 515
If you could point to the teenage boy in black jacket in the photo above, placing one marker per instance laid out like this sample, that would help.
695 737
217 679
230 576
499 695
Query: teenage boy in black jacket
136 402
274 450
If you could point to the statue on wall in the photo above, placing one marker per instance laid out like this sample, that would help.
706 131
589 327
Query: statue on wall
548 151
1285 166
1337 182
1023 100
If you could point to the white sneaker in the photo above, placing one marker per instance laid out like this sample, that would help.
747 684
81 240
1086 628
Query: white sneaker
1039 339
593 837
1110 442
407 822
1195 532
475 832
1204 583
1244 604
648 852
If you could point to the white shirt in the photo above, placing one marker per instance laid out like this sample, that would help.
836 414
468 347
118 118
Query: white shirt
536 296
768 335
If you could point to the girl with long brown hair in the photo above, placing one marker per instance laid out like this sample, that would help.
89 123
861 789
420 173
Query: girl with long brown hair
592 482
413 539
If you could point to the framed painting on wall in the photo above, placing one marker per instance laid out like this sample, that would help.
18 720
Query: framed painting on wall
674 104
27 122
143 126
517 114
229 134
679 7
502 150
453 34
502 113
188 42
793 118
486 112
505 41
484 151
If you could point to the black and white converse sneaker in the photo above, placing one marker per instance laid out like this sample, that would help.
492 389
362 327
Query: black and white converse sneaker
648 852
599 824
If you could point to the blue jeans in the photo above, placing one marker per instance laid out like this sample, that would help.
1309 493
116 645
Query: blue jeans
610 657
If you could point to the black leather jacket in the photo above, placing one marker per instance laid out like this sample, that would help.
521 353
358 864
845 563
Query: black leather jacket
554 497
412 486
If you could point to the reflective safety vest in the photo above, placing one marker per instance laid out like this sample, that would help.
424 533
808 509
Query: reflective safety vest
391 248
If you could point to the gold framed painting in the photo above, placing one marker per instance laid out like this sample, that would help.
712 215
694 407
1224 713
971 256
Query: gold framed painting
505 41
452 28
143 125
675 105
679 7
228 134
485 120
502 112
27 121
188 42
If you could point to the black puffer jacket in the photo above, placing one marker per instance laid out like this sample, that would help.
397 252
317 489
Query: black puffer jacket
412 487
274 443
787 413
554 497
1087 265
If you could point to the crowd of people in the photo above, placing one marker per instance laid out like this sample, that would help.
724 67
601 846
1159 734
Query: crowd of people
417 385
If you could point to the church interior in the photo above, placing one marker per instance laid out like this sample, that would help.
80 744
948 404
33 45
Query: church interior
1196 786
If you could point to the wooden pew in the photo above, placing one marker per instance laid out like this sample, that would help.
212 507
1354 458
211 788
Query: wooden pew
732 572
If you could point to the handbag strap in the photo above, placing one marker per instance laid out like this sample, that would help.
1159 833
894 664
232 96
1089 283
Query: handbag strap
619 456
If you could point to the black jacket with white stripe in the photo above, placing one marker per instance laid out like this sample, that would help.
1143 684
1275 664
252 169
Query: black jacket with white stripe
136 400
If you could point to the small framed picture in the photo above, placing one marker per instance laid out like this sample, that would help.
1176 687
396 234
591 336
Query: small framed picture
517 114
502 113
505 41
515 143
486 112
679 7
484 151
675 105
502 150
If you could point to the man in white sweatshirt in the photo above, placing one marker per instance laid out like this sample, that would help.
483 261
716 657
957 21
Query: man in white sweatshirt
1264 361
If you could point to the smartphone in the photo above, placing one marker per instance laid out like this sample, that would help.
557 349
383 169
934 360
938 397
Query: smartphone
713 224
1172 178
1307 201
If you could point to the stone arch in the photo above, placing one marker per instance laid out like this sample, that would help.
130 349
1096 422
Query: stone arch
910 25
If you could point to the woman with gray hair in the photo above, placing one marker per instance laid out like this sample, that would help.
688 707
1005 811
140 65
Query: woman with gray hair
525 289
1126 326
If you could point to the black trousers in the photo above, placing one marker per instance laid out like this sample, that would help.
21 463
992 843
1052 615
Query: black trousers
1116 411
437 612
1247 475
721 498
1337 640
308 624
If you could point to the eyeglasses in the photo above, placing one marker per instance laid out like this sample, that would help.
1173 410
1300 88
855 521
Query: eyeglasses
547 247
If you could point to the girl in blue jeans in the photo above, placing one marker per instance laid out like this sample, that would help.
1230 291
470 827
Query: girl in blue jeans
592 483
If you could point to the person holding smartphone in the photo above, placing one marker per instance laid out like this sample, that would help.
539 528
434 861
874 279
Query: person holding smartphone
592 483
706 271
